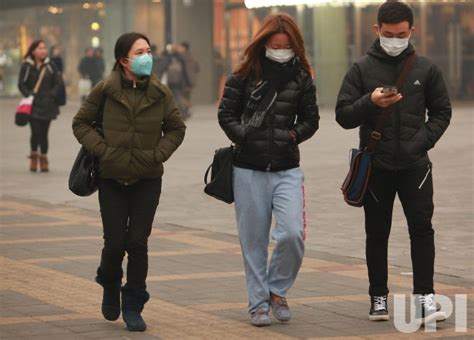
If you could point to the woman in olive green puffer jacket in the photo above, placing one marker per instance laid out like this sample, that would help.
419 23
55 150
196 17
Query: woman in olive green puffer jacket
141 129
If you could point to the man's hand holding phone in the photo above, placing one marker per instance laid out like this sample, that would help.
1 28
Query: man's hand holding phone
385 96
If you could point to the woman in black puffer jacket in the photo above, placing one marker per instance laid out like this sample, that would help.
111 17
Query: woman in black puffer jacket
45 106
268 108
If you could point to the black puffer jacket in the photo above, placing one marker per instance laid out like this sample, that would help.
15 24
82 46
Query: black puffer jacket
270 147
44 104
407 135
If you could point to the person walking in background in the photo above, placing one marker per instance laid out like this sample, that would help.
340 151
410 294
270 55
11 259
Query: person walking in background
192 70
37 67
400 162
86 66
99 66
142 127
219 72
268 108
87 69
173 72
156 58
56 57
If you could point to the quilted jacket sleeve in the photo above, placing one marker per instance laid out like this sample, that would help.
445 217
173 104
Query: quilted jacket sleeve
307 121
438 105
173 130
353 106
82 123
231 109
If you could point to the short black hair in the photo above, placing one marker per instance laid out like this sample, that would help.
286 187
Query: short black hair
394 12
124 44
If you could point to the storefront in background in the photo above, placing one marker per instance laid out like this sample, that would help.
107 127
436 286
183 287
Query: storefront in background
74 26
337 33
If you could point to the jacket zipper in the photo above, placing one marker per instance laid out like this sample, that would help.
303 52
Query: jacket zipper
133 107
397 135
425 178
372 193
269 166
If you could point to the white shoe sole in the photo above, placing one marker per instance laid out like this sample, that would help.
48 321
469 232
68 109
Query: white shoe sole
379 317
437 316
262 324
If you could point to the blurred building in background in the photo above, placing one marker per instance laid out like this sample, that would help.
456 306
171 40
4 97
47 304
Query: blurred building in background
336 33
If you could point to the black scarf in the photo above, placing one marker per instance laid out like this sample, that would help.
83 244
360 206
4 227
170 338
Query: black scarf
274 77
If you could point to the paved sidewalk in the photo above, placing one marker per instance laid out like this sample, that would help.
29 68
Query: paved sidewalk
50 241
50 253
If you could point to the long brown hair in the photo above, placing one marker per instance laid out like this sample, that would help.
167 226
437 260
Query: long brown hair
275 23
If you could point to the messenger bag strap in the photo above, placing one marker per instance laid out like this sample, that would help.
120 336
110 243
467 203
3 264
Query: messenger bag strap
40 80
376 134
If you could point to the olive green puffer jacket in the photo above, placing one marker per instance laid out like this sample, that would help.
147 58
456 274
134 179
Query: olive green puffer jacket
142 127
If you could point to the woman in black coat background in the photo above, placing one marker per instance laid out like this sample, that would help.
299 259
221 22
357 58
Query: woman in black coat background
45 107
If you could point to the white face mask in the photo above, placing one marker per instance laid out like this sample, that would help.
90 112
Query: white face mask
394 46
280 55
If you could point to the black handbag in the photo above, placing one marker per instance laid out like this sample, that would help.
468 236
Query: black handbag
220 186
83 176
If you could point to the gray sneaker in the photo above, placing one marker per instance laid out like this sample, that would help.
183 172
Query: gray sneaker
280 308
426 311
260 318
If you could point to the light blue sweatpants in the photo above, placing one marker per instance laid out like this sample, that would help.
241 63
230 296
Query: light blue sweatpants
258 195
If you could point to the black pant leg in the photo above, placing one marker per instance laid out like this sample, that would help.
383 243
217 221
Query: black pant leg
416 196
43 137
378 207
144 199
35 127
114 209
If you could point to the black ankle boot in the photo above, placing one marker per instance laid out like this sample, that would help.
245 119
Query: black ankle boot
133 301
110 299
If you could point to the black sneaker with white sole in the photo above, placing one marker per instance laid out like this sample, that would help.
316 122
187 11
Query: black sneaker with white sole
378 308
426 311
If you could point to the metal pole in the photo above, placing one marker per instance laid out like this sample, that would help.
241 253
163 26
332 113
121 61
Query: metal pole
168 22
228 57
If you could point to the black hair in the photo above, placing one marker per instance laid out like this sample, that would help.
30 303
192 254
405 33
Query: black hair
34 45
186 45
394 12
124 44
153 48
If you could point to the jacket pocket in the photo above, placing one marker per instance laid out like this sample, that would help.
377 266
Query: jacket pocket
113 163
417 146
144 158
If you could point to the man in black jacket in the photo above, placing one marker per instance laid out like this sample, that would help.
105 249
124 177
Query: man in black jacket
400 160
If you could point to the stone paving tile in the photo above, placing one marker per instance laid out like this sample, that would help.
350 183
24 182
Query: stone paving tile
14 219
47 289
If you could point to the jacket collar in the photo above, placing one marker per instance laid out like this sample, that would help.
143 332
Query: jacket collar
30 61
116 83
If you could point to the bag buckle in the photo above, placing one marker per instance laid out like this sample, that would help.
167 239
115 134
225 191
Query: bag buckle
376 135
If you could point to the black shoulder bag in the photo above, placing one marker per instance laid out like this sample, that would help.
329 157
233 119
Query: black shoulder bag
356 183
83 176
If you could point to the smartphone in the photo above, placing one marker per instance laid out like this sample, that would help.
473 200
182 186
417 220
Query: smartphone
390 89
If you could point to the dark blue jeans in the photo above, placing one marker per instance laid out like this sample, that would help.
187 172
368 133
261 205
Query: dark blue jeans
415 190
127 216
